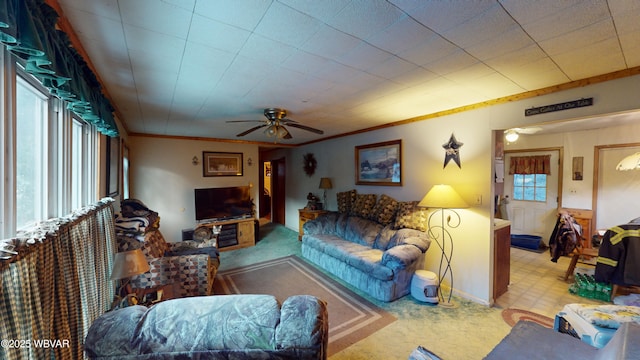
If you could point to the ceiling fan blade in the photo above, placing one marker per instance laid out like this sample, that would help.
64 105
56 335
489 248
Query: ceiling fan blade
528 131
251 130
244 121
287 135
304 127
288 121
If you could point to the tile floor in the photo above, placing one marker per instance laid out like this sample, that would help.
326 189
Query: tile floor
537 284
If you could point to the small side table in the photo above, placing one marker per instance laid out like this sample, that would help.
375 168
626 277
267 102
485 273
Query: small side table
586 252
306 215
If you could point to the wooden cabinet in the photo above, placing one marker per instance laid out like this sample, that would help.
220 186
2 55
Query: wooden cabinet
235 233
502 260
582 217
306 215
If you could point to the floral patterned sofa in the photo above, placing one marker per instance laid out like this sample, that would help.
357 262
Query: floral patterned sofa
213 327
373 244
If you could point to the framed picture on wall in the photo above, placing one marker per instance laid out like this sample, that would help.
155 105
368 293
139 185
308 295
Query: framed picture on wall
379 163
221 164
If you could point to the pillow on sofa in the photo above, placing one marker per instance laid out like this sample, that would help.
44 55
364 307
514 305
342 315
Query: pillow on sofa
411 216
346 200
384 211
363 206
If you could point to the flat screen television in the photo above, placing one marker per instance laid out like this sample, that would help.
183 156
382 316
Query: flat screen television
223 203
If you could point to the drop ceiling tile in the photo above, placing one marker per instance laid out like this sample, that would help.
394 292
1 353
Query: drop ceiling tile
487 25
511 40
535 75
493 86
280 19
520 57
330 43
410 32
431 49
597 32
603 57
321 10
441 16
631 48
364 56
415 77
216 34
475 71
526 12
304 62
353 20
451 63
266 50
582 14
143 41
245 14
161 17
392 67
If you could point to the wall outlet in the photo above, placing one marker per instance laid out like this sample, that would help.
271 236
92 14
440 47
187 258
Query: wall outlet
478 199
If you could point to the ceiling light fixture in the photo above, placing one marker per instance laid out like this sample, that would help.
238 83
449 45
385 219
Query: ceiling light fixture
630 162
511 136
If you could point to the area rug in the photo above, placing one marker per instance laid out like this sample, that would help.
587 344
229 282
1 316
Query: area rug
351 317
512 316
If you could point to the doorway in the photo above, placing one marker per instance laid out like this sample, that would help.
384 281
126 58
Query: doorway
535 217
278 193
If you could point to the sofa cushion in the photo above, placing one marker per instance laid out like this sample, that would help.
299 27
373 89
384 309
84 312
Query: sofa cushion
384 211
248 322
346 200
401 256
323 224
361 231
411 216
384 237
363 206
359 256
410 236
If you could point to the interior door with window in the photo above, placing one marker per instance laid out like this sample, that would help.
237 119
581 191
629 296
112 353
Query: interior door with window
533 200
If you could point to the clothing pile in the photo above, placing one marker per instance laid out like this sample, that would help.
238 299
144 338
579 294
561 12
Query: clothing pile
135 218
565 236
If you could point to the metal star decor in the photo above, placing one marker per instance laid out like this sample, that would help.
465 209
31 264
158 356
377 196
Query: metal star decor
452 151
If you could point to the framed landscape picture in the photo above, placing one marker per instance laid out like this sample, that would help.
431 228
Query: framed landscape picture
221 164
379 164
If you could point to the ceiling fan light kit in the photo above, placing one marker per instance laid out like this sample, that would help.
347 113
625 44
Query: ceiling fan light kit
275 125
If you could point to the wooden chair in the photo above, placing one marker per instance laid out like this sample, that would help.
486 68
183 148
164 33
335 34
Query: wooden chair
575 256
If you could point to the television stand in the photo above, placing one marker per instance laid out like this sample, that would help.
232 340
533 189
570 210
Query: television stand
234 234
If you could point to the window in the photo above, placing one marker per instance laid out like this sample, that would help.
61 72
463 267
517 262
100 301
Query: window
31 154
532 187
49 162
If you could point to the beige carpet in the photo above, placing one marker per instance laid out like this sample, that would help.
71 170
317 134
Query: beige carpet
512 316
351 317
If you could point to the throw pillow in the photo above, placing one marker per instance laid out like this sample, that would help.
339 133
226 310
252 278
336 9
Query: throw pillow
411 216
363 205
384 211
346 200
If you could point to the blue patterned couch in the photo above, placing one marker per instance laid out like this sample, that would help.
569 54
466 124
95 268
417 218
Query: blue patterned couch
377 254
213 327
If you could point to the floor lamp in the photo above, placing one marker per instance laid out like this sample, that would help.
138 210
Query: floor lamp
443 198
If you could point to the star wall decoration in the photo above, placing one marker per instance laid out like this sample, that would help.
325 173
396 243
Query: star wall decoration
452 151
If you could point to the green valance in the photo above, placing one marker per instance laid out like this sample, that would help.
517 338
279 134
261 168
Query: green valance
28 30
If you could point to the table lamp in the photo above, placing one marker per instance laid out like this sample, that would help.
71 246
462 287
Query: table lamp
444 199
325 183
127 264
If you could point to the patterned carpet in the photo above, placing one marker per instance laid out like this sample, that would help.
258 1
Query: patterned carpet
351 317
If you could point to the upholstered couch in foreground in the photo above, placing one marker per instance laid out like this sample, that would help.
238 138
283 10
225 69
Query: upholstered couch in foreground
528 340
377 259
214 327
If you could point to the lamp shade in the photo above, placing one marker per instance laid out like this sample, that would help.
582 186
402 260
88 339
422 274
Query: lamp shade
325 183
128 264
443 197
631 162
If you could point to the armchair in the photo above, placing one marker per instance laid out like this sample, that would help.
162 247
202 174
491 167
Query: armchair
189 264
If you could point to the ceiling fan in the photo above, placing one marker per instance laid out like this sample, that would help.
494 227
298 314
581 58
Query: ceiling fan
275 122
512 134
